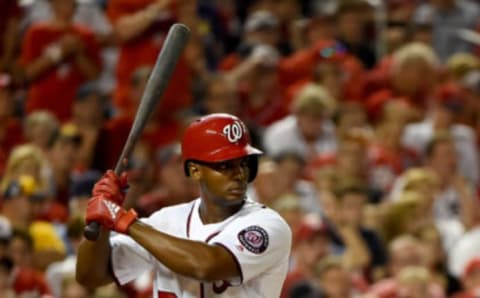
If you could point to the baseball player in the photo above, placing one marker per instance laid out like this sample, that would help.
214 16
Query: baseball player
220 245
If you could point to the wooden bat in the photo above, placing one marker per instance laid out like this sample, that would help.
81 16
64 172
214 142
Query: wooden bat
170 53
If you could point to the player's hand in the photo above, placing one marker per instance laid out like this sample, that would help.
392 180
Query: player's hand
109 214
111 187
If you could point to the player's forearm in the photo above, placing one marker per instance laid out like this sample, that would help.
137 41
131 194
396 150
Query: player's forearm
93 259
189 258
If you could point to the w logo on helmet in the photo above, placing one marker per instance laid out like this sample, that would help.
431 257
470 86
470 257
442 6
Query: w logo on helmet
234 131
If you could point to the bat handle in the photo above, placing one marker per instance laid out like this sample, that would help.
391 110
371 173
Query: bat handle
92 231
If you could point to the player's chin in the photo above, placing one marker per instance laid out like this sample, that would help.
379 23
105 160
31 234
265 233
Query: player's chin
235 197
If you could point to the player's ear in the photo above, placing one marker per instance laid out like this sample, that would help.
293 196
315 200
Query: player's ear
194 170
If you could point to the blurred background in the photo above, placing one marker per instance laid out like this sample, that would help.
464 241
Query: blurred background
368 113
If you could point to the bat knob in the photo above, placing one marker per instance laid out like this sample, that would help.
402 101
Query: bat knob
92 231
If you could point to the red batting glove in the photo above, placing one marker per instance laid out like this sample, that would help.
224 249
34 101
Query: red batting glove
109 214
111 187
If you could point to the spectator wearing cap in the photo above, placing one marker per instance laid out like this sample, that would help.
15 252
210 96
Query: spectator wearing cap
308 131
311 244
57 57
448 104
18 204
10 126
140 29
447 17
62 155
39 128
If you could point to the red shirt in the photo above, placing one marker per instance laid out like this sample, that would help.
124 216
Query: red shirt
143 51
29 281
56 89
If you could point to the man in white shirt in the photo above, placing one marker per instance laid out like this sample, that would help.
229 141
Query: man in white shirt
220 245
448 102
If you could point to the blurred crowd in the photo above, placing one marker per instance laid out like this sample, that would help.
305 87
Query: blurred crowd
368 113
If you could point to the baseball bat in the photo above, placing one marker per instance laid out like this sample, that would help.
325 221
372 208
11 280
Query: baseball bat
170 53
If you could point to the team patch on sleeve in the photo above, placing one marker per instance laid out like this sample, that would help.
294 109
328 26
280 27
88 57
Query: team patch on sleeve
254 239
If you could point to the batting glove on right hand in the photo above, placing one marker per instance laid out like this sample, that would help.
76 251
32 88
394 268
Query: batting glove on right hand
109 214
111 187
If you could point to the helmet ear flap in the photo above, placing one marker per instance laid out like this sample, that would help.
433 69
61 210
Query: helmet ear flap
253 166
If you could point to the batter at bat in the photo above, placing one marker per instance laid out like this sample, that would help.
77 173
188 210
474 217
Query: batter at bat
220 245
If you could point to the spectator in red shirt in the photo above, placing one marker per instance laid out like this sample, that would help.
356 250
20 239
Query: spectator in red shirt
58 57
409 74
140 27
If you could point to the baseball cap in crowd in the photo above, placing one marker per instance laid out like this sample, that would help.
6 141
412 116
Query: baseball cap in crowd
472 266
82 184
310 227
25 185
68 132
261 20
314 99
450 96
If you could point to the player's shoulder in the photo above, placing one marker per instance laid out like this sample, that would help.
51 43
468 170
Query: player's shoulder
175 212
255 213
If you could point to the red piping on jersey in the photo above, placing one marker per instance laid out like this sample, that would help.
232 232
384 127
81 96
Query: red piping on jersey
188 220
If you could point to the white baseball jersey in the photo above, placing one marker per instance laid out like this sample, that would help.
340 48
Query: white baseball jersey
257 237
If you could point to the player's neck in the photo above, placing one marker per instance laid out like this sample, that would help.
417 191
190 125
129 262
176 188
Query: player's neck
212 213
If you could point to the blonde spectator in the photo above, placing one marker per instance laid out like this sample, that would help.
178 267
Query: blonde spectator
405 215
24 160
413 282
308 131
39 128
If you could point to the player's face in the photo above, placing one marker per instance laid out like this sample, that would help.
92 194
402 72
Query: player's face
225 182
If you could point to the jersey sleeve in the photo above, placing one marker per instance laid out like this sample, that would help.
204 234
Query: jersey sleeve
257 242
128 259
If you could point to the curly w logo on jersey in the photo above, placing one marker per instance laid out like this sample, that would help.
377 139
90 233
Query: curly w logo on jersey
254 238
234 131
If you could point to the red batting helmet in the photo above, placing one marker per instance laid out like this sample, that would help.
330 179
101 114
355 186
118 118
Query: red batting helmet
217 138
